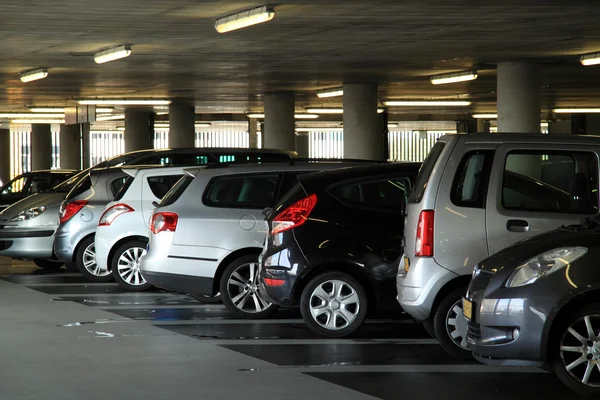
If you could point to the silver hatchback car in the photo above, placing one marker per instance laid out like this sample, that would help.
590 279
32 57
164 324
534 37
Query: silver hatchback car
475 195
208 231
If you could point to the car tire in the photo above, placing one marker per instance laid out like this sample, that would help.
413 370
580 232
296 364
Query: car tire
328 293
72 267
207 299
125 266
241 295
47 264
450 326
85 259
428 325
563 339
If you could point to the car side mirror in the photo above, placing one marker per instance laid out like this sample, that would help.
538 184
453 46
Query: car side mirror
154 204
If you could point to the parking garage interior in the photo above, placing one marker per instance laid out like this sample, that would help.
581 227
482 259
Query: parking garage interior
377 81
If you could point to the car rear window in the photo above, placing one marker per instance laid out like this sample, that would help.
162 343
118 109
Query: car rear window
176 191
388 194
117 184
416 195
248 191
82 186
160 185
119 195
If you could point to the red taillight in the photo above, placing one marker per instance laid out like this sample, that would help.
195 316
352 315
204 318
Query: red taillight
113 212
163 222
295 215
274 282
424 242
71 209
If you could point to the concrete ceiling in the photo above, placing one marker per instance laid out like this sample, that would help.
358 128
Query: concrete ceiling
309 45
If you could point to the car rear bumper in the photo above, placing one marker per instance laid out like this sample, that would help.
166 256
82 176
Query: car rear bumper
180 283
27 242
418 288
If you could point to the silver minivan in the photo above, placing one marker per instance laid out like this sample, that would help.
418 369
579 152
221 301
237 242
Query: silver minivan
475 195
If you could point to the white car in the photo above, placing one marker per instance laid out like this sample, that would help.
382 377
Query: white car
122 232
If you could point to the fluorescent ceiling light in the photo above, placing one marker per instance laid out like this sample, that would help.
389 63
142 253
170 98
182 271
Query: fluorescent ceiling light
120 128
161 125
485 116
124 102
104 110
392 125
110 117
31 115
166 125
454 77
335 92
590 59
332 110
34 75
112 54
297 116
47 110
202 125
426 103
38 121
245 18
162 113
544 124
576 110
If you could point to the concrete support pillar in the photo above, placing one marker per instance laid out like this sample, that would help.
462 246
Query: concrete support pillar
253 133
41 146
4 155
279 132
182 132
139 130
70 146
483 126
86 149
302 144
363 133
518 98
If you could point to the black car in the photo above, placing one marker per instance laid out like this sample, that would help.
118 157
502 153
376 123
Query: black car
537 303
334 243
31 182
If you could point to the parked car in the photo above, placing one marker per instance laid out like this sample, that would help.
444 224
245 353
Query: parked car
536 303
334 244
122 232
33 221
476 195
79 215
32 182
207 232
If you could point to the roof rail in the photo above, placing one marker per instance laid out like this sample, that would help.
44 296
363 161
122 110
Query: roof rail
294 161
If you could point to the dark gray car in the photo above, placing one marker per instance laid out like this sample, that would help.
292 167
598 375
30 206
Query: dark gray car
537 303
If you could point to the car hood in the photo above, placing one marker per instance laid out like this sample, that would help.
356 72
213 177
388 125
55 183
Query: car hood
575 235
48 200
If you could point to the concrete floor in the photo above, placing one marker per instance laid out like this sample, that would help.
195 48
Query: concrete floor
62 337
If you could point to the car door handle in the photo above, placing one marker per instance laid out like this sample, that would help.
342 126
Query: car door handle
517 225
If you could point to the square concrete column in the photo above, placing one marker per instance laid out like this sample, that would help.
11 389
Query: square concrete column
139 130
4 155
279 132
483 126
519 98
41 146
363 133
302 147
70 146
253 133
182 119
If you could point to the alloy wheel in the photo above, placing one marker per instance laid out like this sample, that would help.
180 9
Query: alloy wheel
129 266
334 304
580 350
244 291
89 261
456 325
